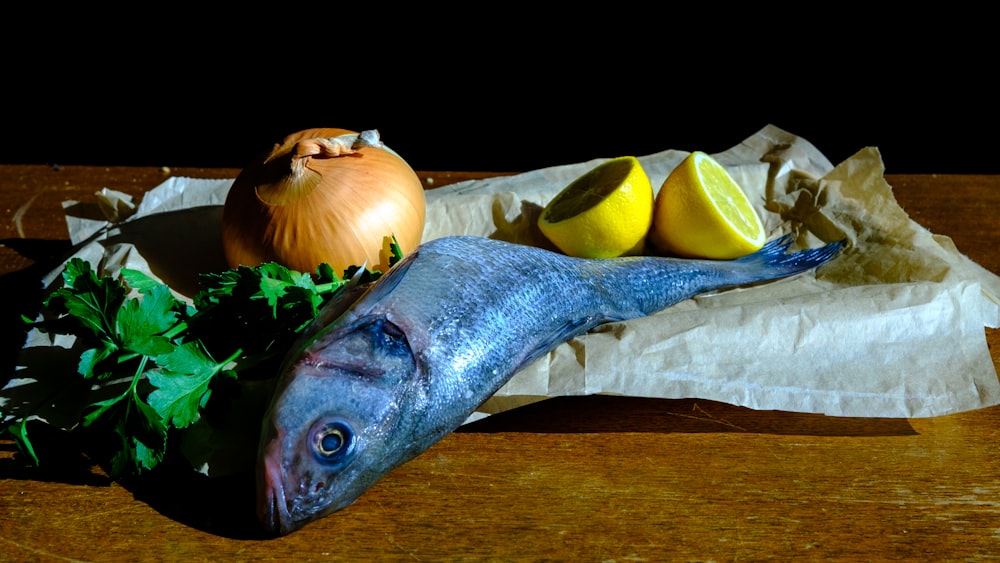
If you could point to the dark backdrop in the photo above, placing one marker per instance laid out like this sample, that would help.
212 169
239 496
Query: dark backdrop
465 98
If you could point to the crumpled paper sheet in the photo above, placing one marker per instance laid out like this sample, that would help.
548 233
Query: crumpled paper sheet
894 327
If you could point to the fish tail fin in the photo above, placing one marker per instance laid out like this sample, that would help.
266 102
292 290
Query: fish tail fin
774 261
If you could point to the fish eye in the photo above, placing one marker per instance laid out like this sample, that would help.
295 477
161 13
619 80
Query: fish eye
333 441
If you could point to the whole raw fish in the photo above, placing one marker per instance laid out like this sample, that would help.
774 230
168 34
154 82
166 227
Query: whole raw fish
381 378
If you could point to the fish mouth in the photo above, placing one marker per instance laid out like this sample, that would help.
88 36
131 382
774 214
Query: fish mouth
272 509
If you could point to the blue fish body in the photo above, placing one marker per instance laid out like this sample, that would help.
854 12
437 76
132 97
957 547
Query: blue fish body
382 377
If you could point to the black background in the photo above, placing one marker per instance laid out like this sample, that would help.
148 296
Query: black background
496 91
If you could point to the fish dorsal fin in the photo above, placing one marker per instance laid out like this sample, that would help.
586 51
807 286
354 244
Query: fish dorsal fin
385 284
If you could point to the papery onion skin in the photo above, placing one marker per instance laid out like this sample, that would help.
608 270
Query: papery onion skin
300 206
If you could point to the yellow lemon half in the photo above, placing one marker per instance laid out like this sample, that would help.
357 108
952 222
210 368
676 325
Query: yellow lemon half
605 213
701 212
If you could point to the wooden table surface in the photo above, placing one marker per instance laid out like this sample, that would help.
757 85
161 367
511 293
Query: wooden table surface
581 479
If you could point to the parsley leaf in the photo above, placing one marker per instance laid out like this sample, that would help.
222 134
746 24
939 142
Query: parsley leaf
182 383
141 324
91 301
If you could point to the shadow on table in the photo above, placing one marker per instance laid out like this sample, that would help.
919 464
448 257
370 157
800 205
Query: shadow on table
223 506
607 413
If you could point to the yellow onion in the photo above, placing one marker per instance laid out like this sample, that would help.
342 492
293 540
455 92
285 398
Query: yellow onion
323 195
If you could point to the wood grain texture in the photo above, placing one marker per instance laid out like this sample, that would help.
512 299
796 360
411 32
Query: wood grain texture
581 478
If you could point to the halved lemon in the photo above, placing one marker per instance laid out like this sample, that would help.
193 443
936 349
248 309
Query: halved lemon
605 213
701 212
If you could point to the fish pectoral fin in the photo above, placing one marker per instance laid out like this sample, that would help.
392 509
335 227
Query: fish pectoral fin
547 341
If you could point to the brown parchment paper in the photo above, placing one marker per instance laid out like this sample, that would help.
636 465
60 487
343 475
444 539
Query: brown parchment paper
894 327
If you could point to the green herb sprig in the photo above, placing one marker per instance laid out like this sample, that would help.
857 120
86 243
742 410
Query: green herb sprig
162 358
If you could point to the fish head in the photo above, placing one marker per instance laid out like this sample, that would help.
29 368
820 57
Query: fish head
332 428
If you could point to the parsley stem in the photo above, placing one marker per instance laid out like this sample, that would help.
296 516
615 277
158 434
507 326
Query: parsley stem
176 330
138 375
330 287
123 357
231 359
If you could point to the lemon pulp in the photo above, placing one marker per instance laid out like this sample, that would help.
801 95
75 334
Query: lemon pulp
701 212
604 213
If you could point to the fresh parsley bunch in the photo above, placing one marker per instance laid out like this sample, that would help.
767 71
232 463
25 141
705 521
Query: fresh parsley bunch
161 358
